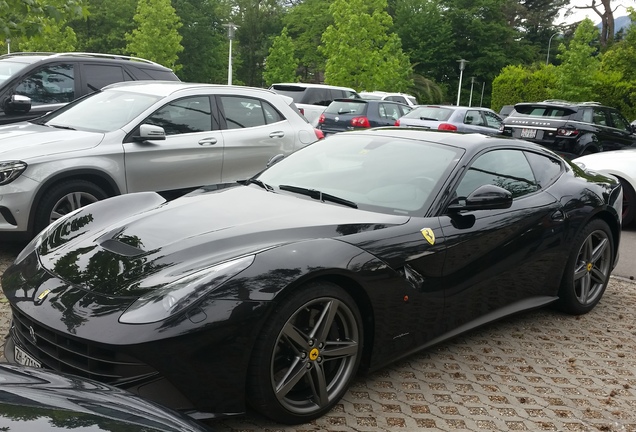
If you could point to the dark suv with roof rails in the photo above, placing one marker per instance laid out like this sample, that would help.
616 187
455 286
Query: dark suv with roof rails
32 84
570 128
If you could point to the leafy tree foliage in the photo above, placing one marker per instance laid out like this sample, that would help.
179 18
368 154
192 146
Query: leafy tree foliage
156 37
281 63
55 36
306 22
360 51
26 18
105 27
205 42
577 74
519 84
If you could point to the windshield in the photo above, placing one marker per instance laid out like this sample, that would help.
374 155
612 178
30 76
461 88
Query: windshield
543 111
430 113
102 111
378 173
346 107
8 69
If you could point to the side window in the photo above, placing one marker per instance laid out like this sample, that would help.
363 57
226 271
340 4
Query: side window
244 112
599 117
49 85
618 121
98 76
271 114
588 115
404 110
508 169
473 117
187 115
389 111
492 120
348 94
318 96
546 169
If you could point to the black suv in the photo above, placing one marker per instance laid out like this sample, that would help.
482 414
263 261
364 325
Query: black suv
570 128
32 84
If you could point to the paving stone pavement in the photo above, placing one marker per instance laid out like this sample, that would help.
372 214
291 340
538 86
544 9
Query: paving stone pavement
538 371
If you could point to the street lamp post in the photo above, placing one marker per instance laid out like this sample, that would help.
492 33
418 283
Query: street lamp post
547 59
462 66
8 41
230 34
472 83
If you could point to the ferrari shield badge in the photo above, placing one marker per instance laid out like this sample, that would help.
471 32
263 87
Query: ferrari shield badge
428 235
40 298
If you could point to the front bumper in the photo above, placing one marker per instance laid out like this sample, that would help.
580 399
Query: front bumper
16 200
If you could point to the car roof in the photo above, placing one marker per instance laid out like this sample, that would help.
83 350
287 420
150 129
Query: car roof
574 106
312 85
165 88
34 57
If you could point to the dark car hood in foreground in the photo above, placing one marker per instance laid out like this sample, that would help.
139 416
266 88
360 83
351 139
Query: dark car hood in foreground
38 400
130 244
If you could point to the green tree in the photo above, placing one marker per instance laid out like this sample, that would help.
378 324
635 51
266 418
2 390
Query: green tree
516 84
26 18
306 22
578 72
205 42
360 50
55 36
105 27
156 37
281 63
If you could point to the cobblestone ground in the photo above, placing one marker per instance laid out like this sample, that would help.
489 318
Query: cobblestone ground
539 371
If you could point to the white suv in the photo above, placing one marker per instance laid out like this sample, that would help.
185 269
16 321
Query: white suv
312 99
168 137
404 98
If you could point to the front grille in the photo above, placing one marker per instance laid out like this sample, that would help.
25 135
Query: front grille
66 354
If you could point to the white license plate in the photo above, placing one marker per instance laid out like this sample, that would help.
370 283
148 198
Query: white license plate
528 133
25 359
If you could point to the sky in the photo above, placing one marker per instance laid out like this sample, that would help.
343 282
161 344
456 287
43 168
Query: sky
580 14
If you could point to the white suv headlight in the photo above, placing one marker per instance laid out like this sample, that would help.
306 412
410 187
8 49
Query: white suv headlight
11 170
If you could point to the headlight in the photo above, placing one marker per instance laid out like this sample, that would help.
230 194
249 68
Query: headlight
175 297
10 171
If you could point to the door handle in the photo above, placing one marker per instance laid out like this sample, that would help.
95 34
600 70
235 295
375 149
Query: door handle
207 141
278 134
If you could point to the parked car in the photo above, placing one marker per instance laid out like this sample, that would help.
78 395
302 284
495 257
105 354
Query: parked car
454 118
348 254
34 399
32 84
570 128
506 110
312 99
403 98
622 165
349 114
160 136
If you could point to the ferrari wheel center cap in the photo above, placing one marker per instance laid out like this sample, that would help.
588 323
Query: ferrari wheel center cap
589 267
313 354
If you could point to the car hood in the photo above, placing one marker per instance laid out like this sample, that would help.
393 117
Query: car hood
131 244
26 140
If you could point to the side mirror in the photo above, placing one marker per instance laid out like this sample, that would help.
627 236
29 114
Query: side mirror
486 197
149 132
17 104
275 159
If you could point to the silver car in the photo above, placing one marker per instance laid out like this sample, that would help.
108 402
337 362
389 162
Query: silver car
168 137
454 118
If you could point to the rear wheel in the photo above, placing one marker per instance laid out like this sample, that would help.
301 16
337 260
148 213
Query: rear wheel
307 355
64 198
588 269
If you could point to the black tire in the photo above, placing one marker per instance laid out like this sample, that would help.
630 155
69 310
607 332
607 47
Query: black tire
588 269
65 197
629 203
317 362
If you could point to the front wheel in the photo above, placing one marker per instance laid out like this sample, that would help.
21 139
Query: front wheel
588 269
64 198
307 355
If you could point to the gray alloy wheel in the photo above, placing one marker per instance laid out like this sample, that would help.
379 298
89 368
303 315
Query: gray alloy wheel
588 269
69 203
592 268
306 355
315 355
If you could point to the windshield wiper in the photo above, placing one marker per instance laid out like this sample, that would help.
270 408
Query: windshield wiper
316 194
258 182
428 118
60 126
